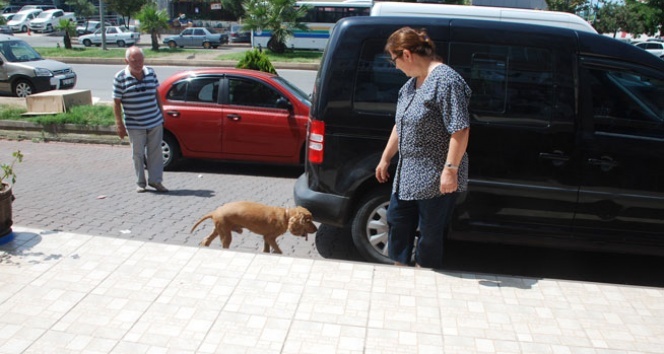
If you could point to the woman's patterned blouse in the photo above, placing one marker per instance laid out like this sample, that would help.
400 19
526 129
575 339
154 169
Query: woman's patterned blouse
426 118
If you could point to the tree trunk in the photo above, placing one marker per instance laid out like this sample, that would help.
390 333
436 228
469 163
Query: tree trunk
155 41
276 46
67 40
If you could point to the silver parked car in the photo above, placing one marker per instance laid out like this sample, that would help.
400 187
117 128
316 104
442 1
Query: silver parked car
197 37
24 72
114 34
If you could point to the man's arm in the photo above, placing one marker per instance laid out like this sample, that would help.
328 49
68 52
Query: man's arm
117 110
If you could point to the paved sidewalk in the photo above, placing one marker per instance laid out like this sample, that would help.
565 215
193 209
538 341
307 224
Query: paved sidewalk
70 293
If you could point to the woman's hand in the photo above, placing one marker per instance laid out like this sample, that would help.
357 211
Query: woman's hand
381 171
449 181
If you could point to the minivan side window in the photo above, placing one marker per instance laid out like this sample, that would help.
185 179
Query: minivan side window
625 99
511 85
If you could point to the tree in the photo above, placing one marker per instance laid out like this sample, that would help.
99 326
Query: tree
127 8
234 7
69 28
571 6
82 9
607 18
280 17
153 21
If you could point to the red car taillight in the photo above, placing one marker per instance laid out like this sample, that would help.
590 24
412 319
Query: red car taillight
316 141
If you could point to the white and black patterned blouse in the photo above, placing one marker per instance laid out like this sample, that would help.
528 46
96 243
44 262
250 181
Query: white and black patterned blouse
426 118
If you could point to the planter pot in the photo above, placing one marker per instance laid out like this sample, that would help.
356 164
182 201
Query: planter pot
6 198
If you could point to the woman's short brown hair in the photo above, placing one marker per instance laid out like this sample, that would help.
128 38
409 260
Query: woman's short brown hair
416 41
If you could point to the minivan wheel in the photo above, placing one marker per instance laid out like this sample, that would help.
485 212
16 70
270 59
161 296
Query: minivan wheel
23 88
170 151
369 227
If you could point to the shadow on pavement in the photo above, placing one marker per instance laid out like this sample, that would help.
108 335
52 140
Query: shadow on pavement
239 168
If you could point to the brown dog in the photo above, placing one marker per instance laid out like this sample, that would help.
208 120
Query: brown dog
269 221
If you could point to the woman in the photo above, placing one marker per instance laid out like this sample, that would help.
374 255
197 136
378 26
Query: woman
431 135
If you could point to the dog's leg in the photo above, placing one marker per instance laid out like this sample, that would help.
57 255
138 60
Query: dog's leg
266 246
272 241
208 240
226 238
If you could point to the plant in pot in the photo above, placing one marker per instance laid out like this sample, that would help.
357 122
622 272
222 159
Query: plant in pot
7 179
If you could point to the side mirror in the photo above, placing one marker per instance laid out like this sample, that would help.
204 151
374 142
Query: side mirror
284 104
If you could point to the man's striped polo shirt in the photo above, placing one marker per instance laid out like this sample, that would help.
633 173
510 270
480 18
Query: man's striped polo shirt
139 100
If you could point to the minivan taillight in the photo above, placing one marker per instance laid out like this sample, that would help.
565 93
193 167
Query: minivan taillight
316 141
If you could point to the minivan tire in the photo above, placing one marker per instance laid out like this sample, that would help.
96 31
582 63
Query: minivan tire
23 88
369 226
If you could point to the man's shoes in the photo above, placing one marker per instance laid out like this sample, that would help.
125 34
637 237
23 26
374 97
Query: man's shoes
140 189
159 187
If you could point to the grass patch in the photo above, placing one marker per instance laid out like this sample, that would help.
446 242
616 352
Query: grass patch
94 52
298 56
98 115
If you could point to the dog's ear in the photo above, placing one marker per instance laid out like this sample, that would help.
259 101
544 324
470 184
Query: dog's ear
296 224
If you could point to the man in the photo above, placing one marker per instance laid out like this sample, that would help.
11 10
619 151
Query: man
137 101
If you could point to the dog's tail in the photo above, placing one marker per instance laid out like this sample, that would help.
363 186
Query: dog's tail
205 217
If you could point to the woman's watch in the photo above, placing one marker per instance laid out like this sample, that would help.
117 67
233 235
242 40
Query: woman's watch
451 166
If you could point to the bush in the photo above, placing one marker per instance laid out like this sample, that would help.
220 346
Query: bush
256 60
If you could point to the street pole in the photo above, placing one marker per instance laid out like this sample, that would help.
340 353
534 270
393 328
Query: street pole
103 26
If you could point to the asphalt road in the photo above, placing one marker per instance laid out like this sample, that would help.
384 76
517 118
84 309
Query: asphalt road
89 189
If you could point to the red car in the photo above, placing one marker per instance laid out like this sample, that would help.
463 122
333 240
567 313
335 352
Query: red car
233 114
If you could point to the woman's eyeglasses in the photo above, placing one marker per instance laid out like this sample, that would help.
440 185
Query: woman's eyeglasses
393 60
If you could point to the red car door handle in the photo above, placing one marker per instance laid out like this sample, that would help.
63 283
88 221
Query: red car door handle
174 114
234 117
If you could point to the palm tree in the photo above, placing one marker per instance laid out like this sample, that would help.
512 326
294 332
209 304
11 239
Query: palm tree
69 28
281 17
153 21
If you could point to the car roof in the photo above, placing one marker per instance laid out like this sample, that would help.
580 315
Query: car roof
29 11
222 71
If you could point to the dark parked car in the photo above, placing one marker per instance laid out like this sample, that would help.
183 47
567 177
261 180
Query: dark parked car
197 37
566 139
233 114
238 35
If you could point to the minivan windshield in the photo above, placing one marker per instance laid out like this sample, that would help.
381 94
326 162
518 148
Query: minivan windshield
18 51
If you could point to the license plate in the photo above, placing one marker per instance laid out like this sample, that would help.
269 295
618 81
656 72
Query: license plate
68 81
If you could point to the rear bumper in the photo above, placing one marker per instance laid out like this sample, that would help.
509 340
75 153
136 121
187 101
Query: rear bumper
325 208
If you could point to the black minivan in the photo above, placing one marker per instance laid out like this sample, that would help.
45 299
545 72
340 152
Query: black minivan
566 141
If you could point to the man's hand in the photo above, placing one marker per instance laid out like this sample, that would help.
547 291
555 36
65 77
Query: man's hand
122 131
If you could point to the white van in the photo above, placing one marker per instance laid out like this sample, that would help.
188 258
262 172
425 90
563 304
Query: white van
21 20
535 17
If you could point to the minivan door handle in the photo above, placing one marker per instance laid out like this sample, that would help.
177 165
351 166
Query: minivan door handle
558 158
605 163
